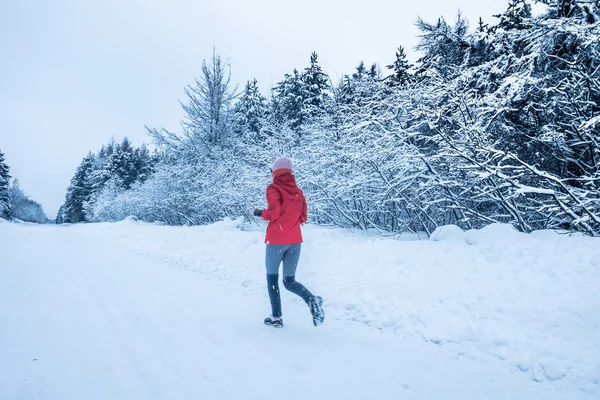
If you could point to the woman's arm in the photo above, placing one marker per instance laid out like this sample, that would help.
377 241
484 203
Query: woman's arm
273 210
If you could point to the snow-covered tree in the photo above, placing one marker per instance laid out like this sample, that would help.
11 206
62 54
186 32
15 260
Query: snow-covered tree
498 124
250 111
208 111
120 164
60 215
444 46
300 97
23 208
79 192
287 101
359 88
516 17
5 209
400 69
316 91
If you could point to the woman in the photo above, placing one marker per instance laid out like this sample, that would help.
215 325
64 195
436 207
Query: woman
286 211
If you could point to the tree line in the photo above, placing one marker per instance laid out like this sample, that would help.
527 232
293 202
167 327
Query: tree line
14 203
496 123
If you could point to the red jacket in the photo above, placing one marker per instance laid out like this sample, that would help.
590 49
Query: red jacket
286 209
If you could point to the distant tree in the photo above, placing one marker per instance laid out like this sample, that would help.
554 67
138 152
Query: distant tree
374 72
316 88
400 69
79 192
124 167
143 164
250 110
361 71
23 207
444 46
208 111
301 97
482 26
516 16
360 87
5 208
120 165
60 215
288 101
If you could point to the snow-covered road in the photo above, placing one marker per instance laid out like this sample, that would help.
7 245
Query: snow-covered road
82 317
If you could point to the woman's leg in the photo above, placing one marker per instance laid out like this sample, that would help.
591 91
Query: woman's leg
290 262
274 255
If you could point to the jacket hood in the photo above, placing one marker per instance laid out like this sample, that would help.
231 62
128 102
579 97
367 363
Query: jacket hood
286 181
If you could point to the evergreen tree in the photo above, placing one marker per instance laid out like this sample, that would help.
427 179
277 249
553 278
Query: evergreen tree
250 110
316 88
374 72
482 27
361 87
444 46
300 97
400 69
361 71
120 165
79 192
288 100
562 8
60 215
517 16
5 208
143 164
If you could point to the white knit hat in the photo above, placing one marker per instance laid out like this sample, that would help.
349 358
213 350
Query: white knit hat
282 163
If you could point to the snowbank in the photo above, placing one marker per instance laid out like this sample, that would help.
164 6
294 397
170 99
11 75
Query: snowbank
528 301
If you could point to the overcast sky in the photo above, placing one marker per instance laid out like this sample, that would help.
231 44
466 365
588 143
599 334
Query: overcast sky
74 73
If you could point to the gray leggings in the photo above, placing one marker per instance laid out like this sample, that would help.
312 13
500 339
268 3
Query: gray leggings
288 253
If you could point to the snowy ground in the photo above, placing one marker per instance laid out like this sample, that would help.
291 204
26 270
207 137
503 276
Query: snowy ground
137 311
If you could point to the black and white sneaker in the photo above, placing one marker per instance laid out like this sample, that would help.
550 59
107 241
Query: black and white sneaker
315 303
274 322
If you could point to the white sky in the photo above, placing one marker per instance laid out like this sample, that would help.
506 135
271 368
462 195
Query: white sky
74 73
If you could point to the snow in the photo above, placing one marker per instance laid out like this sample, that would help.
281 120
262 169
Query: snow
529 189
132 310
447 232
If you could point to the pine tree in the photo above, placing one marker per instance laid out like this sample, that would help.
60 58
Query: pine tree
300 97
360 87
288 101
482 27
374 72
517 16
588 10
316 93
361 71
250 111
400 69
79 192
562 8
120 165
5 208
60 218
143 164
444 46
